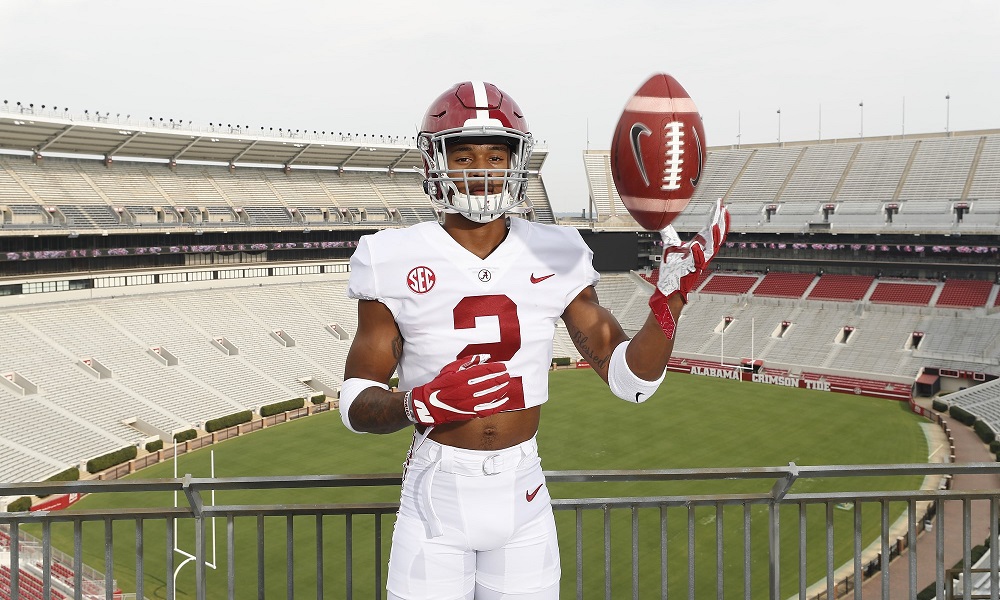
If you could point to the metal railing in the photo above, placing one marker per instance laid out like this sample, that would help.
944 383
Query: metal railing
757 536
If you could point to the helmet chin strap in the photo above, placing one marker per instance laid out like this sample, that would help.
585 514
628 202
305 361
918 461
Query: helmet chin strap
471 202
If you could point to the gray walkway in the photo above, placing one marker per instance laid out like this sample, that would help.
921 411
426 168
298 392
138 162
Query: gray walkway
968 449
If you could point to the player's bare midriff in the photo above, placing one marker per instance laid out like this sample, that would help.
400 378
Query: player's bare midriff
494 432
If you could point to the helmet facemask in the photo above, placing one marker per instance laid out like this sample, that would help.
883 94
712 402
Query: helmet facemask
480 195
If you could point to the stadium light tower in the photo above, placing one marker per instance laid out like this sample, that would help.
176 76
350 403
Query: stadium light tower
947 112
861 105
779 126
819 123
739 127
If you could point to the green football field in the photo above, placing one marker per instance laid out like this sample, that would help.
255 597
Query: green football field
691 422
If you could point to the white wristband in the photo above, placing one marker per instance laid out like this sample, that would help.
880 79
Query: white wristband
624 383
349 391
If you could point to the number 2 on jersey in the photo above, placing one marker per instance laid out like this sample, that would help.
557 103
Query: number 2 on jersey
504 309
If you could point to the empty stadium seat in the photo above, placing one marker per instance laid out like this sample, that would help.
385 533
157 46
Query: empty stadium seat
844 288
964 293
729 284
85 194
784 285
917 294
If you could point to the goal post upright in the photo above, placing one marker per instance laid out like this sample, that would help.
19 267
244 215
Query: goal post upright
189 557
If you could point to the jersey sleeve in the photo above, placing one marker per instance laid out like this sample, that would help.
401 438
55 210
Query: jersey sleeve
362 284
584 267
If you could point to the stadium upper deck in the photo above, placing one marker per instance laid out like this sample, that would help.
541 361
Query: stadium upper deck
42 131
912 184
123 177
106 195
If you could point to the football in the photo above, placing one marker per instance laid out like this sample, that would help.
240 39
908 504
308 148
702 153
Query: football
658 152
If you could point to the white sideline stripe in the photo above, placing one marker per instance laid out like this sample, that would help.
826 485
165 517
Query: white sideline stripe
654 104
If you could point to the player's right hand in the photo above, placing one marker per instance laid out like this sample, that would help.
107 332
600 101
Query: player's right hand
683 264
465 389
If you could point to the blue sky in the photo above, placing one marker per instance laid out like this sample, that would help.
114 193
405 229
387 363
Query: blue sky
373 66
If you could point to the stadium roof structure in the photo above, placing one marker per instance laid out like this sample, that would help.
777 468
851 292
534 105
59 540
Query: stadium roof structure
96 136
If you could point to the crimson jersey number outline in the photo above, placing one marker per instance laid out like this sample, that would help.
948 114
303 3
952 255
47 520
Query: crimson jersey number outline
505 310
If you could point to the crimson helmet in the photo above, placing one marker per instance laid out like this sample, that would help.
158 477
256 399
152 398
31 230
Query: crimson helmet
475 109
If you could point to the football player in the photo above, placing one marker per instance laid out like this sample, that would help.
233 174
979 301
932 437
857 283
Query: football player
464 311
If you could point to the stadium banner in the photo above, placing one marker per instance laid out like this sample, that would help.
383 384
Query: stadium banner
187 249
58 502
807 381
893 248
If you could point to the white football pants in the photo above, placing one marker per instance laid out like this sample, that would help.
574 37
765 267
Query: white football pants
474 524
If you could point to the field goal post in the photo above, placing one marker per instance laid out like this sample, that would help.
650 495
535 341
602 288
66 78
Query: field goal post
188 556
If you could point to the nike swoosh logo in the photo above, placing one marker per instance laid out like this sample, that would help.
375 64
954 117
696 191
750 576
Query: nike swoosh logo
529 496
638 129
701 158
540 279
433 400
637 394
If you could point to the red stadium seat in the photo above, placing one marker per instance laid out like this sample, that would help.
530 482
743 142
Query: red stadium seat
964 293
784 285
916 294
843 288
729 284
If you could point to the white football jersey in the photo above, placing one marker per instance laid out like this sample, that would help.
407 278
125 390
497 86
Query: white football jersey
449 303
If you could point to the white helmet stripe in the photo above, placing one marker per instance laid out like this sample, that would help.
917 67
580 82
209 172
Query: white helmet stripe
479 91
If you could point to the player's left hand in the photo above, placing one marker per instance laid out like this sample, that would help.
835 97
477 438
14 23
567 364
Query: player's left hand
682 264
465 389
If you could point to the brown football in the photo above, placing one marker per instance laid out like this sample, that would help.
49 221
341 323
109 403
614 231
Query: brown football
658 152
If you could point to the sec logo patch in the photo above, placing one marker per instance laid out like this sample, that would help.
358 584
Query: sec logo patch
420 280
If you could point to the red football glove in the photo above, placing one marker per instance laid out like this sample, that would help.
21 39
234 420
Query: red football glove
465 389
682 264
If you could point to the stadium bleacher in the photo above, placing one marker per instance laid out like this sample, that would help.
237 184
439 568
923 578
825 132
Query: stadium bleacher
86 194
725 166
918 294
784 285
982 400
960 337
729 284
986 179
846 288
923 176
964 293
876 170
206 383
818 172
763 175
939 170
794 321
